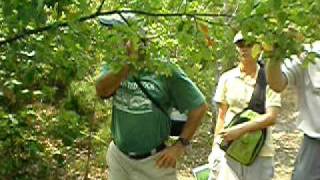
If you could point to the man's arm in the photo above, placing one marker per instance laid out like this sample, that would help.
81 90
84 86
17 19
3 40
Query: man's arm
276 79
171 154
193 121
108 84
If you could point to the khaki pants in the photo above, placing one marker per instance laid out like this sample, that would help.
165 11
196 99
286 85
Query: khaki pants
121 167
307 165
261 169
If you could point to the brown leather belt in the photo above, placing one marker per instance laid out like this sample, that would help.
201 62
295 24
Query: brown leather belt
145 155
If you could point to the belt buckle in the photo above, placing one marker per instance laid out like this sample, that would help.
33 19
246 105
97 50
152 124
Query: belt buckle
132 154
136 156
150 153
153 151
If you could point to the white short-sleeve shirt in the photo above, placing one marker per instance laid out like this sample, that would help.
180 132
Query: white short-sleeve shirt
235 90
306 81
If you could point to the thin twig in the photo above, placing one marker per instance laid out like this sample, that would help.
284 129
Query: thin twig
172 14
234 12
100 6
212 22
182 2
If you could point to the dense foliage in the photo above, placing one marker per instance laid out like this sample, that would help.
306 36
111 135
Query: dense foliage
51 52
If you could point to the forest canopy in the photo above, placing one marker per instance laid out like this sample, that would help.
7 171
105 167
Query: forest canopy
51 52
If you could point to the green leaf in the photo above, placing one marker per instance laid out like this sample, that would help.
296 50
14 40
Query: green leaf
276 5
16 82
282 17
37 92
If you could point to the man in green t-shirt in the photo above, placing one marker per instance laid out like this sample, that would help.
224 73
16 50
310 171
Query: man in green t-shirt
140 128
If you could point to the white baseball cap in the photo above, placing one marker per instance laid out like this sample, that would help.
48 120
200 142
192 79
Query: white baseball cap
238 37
115 19
112 20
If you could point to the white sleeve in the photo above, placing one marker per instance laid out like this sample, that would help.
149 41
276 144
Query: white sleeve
293 70
219 96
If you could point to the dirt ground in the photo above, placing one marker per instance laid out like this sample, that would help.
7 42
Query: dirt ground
285 135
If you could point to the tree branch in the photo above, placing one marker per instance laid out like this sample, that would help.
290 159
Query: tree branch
174 14
100 6
212 22
56 25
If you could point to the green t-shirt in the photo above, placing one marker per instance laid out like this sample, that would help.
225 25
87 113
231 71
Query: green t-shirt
137 124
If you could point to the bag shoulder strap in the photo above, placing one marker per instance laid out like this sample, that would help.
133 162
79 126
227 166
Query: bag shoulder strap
149 96
258 98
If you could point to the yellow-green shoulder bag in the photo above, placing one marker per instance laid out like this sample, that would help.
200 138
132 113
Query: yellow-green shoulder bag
245 149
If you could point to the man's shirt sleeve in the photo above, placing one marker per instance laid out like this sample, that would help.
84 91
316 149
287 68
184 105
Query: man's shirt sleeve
185 95
293 70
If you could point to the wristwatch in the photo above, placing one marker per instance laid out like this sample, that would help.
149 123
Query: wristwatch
185 142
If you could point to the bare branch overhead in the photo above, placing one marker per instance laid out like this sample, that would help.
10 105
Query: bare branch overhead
55 25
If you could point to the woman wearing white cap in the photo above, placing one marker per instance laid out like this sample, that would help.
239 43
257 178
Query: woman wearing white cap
233 94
